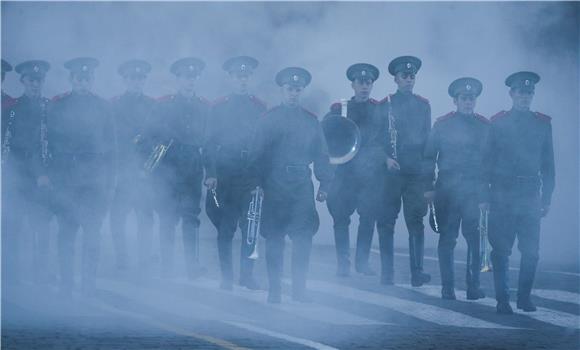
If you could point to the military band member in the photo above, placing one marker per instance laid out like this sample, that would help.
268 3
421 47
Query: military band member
7 100
81 137
132 113
180 123
408 177
456 146
287 141
518 181
357 184
231 126
24 175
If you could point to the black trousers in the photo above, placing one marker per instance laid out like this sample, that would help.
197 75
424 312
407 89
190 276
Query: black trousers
407 189
514 212
233 194
457 205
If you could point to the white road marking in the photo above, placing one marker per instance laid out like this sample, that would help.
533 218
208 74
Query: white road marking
310 311
289 338
557 318
425 312
433 258
188 307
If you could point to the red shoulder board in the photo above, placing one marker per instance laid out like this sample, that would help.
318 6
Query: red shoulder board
481 118
221 100
9 102
258 101
386 99
165 98
498 115
543 117
445 117
310 113
204 101
373 101
336 107
61 96
422 98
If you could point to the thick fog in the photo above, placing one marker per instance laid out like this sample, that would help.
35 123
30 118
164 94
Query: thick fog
488 41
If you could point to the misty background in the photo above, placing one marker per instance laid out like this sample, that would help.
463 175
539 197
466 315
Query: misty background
486 40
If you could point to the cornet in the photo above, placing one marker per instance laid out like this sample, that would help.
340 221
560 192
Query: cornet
484 248
254 219
156 156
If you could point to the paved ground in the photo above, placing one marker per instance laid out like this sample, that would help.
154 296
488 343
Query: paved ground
137 310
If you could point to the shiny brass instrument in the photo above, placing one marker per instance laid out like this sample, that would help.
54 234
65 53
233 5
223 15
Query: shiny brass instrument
156 156
342 136
7 137
45 156
433 218
392 129
215 200
254 220
484 247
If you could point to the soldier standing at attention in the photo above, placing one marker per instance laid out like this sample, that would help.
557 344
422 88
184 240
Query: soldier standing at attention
81 137
25 191
407 178
287 141
180 123
132 113
231 126
456 146
357 184
518 181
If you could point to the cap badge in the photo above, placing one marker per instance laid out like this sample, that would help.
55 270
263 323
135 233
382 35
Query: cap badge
84 68
36 69
295 78
527 82
408 65
138 69
363 73
191 67
467 87
243 67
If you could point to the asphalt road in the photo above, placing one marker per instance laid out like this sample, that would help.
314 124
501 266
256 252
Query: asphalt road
136 309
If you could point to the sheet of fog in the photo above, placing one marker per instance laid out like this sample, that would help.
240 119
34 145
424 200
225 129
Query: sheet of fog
484 40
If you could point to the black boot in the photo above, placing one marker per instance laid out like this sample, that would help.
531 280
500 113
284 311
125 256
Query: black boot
447 272
504 308
342 244
416 252
226 265
363 246
246 276
386 244
528 267
501 280
301 247
473 270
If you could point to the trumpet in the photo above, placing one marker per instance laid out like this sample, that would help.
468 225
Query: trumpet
484 248
254 219
7 137
214 195
156 156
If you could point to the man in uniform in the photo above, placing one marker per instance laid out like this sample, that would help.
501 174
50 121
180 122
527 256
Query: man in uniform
180 123
357 184
231 126
456 146
287 140
131 112
409 127
518 181
81 137
25 184
7 100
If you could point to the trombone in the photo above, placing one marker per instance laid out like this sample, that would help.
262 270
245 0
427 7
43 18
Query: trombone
254 219
484 247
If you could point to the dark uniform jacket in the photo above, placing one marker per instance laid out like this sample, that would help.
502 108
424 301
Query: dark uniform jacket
519 156
456 145
412 114
132 114
287 141
184 121
231 126
81 139
370 117
26 118
7 102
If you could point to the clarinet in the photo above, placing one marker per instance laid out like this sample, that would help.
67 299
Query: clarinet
7 137
44 135
392 129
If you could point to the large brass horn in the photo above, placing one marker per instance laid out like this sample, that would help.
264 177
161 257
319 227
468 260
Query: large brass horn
342 136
